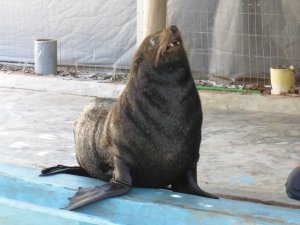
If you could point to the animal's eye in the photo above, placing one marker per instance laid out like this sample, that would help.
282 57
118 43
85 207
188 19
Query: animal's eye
153 41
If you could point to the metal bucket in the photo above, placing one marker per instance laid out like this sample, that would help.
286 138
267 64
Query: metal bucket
45 52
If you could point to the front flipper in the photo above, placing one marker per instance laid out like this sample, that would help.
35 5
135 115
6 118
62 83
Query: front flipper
120 185
86 196
188 184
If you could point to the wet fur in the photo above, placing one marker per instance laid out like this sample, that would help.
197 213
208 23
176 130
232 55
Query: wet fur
154 126
150 136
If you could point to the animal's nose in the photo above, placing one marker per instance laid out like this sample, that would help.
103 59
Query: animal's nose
174 29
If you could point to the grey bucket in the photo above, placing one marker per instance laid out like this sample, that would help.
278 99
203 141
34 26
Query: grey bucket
45 53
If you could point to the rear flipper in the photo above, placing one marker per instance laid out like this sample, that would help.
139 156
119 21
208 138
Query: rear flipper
188 184
120 185
74 170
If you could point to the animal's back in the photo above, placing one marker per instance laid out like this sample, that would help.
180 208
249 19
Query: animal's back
88 131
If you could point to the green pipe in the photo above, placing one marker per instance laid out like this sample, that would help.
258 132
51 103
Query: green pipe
227 89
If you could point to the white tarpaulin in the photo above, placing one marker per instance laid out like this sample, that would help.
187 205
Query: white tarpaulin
229 38
88 31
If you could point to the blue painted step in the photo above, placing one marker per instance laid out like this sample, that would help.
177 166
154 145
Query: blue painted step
26 198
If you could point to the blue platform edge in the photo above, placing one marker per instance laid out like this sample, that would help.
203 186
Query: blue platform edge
26 198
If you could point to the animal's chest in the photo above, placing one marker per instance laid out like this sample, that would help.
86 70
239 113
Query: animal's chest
166 131
161 166
161 137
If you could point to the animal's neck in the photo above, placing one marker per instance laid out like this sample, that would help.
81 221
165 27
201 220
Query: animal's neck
172 76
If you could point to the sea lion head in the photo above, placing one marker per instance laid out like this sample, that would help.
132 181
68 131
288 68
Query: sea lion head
161 49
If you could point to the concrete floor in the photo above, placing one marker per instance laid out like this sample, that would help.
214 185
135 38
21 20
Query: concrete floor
249 153
243 153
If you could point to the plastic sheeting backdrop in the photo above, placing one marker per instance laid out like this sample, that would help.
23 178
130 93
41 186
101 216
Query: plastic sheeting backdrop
230 38
89 32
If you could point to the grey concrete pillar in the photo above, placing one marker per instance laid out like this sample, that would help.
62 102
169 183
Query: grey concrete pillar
45 53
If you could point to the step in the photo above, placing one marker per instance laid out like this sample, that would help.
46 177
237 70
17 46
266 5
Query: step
26 198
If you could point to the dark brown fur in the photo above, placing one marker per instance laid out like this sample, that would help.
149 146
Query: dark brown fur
155 125
150 136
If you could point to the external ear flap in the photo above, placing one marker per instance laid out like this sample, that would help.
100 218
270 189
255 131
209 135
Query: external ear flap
137 61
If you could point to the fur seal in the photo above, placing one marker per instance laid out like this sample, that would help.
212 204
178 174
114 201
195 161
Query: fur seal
150 136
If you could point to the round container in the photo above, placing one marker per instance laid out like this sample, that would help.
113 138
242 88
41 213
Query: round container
45 53
282 80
